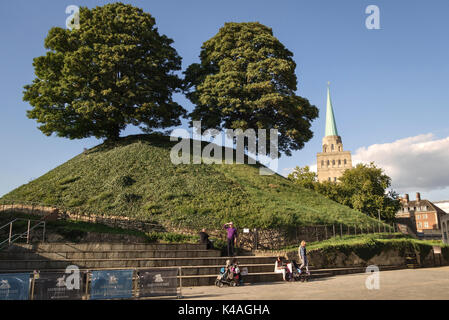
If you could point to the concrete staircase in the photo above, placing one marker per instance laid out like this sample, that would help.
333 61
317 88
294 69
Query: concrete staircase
199 266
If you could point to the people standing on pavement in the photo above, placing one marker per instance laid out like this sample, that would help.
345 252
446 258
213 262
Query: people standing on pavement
231 238
302 252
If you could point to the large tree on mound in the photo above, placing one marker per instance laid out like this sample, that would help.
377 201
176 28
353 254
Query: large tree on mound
114 70
246 79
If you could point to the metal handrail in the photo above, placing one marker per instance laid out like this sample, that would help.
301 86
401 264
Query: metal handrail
9 223
16 220
14 237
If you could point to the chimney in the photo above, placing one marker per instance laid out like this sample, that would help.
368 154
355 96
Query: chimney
418 196
406 198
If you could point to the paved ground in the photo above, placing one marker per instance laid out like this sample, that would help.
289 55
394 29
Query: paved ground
430 283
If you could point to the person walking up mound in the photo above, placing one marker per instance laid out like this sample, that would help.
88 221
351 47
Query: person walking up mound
231 237
302 252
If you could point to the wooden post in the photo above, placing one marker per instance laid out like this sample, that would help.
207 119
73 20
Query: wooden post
316 232
32 285
325 231
341 230
87 283
180 282
333 228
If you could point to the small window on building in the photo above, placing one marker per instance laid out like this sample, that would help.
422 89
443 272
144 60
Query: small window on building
344 161
328 163
333 162
329 179
419 225
339 148
335 179
322 163
424 216
332 147
426 224
339 162
418 216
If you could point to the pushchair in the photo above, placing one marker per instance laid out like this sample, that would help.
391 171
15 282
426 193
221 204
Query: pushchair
227 277
296 273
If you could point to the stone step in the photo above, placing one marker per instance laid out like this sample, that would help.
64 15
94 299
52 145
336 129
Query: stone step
119 254
104 246
207 280
127 263
186 270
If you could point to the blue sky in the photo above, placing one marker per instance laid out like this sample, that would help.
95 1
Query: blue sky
389 86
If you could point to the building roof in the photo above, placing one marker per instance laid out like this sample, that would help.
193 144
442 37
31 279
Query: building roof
427 203
444 205
331 126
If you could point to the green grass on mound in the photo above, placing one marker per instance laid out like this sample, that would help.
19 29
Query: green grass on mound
134 177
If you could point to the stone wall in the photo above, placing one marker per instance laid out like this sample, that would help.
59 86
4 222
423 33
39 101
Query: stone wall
52 213
388 256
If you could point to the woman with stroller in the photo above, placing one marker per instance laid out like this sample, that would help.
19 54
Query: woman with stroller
237 272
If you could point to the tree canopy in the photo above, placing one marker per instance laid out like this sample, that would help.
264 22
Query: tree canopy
246 80
115 70
303 177
364 188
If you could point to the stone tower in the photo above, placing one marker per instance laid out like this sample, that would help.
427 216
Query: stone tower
332 161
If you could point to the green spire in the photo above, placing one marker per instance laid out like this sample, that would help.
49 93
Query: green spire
331 126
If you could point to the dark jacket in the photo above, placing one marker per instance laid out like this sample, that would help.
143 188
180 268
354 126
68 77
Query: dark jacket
303 252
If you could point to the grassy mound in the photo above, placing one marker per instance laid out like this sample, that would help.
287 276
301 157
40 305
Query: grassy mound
134 177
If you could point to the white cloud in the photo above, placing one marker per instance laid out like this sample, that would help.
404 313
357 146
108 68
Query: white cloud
418 163
286 171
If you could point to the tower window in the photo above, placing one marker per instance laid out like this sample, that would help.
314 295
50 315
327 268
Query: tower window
332 147
328 163
339 148
335 179
329 179
322 163
339 162
333 162
344 161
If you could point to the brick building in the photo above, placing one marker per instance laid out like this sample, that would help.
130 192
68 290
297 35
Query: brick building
422 216
332 161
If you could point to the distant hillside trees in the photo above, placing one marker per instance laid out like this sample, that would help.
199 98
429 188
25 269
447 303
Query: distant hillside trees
115 70
246 80
364 188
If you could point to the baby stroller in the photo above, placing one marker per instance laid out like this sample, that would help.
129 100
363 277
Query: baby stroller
297 275
227 276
